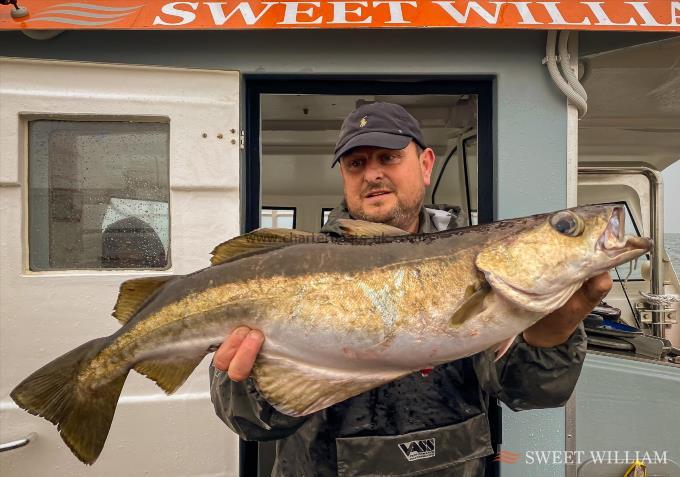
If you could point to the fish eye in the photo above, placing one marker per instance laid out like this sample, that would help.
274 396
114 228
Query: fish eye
567 223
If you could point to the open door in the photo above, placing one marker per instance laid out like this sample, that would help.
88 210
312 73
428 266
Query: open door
94 156
291 134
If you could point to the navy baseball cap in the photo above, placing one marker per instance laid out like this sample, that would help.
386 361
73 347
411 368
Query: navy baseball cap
385 125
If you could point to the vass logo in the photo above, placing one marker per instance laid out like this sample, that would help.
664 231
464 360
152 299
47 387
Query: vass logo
414 450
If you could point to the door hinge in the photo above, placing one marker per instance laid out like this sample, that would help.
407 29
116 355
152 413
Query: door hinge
242 140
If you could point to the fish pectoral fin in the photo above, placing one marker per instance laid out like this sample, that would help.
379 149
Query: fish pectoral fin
134 293
501 348
298 389
169 373
260 241
473 304
363 228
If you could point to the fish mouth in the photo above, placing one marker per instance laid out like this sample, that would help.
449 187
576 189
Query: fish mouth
619 247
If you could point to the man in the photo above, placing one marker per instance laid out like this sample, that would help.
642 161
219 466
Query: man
435 424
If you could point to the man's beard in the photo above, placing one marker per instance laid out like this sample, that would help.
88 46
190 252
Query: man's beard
400 216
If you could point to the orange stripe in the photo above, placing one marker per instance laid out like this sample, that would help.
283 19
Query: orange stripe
658 15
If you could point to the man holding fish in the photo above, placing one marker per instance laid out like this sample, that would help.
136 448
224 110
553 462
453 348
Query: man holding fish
431 423
346 324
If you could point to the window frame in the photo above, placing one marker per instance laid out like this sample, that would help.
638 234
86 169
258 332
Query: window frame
323 211
466 176
25 118
257 85
281 207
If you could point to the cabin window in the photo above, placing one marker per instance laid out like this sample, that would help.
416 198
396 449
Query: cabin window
456 179
292 134
278 217
325 214
471 172
98 195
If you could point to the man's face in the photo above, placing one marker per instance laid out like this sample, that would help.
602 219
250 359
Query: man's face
386 185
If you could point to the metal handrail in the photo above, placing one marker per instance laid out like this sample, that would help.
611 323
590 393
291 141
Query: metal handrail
8 446
655 225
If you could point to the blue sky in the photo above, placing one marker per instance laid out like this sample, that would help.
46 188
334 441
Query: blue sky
671 179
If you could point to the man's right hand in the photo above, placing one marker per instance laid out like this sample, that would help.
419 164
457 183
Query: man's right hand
237 354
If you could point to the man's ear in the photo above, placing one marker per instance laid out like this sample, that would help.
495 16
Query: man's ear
426 164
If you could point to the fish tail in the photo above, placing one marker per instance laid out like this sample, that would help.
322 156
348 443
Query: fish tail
82 414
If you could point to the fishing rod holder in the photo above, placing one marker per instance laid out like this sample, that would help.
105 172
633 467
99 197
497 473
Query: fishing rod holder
665 305
665 315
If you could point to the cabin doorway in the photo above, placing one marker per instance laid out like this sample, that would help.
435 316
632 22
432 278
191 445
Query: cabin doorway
290 132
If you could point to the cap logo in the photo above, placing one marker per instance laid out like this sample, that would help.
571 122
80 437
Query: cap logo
363 122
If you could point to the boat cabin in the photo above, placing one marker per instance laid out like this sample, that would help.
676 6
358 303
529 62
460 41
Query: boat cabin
136 136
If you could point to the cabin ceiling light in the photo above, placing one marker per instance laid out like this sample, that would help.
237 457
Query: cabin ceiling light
41 34
21 12
17 11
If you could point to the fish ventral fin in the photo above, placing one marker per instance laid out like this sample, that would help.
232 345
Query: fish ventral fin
363 228
260 241
83 416
134 293
169 373
298 389
501 348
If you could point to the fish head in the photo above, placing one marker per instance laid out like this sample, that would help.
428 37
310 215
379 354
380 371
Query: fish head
544 259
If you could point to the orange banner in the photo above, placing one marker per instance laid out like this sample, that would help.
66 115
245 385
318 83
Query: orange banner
651 15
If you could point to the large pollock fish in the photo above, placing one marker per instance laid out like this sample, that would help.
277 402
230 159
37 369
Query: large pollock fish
340 315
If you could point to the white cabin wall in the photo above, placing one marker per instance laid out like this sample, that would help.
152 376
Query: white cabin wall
530 114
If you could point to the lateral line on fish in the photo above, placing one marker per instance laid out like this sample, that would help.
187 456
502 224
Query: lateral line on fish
150 331
197 297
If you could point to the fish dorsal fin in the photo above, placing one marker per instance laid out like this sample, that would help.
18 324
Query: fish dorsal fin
133 294
363 228
299 389
261 240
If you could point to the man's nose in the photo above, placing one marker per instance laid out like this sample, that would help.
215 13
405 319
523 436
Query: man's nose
373 171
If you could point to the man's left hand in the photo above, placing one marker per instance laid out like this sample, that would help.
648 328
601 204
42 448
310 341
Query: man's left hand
556 328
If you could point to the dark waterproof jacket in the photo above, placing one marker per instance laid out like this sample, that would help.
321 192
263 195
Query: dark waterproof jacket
433 425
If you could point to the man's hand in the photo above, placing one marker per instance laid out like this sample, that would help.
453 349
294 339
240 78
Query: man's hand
237 354
555 328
